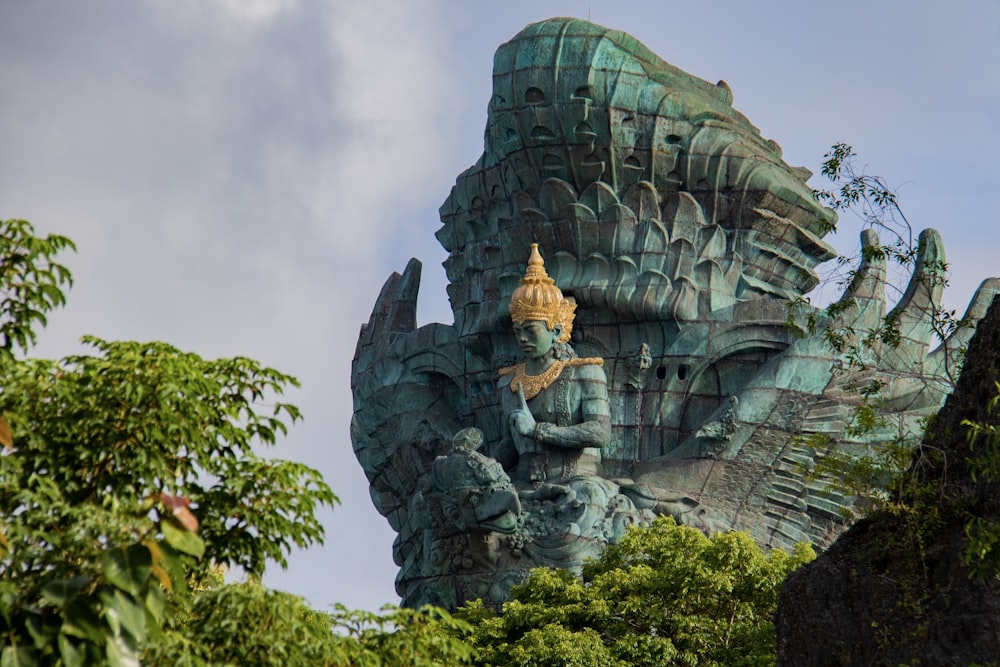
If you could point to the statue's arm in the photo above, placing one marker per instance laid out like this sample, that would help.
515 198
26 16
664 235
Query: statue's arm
595 429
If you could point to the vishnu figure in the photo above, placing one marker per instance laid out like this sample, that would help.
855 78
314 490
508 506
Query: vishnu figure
556 402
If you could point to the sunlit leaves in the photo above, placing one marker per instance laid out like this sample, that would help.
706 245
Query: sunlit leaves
17 656
247 624
664 595
136 418
183 541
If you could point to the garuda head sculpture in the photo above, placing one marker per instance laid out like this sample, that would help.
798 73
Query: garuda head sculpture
681 236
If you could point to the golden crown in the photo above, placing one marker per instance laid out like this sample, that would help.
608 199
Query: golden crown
538 298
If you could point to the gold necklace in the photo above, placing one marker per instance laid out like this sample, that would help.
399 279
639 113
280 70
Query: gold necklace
533 384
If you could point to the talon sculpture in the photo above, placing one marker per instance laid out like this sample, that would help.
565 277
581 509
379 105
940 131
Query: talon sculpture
676 236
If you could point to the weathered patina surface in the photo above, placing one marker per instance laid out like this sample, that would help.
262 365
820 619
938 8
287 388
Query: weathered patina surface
681 236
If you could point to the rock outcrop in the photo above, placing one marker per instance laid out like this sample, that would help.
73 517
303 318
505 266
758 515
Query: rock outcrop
895 589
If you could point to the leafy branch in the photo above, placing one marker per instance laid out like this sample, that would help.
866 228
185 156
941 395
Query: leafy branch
877 478
31 283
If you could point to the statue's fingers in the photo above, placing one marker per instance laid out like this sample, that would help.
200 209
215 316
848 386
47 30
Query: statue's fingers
520 396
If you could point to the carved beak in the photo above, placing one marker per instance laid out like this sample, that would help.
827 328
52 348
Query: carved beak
499 510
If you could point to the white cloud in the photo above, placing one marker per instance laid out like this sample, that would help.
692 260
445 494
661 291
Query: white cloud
391 103
257 10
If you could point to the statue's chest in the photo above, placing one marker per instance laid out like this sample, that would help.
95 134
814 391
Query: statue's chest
558 404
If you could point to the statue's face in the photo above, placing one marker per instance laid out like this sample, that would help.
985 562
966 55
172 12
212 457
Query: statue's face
535 339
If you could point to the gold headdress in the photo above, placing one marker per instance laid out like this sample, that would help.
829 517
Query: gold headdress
538 298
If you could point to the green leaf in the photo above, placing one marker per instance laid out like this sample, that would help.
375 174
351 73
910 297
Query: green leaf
156 603
80 620
155 607
42 629
125 614
71 655
182 540
62 592
128 569
20 656
121 652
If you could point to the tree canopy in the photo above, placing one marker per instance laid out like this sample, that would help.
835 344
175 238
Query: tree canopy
128 474
664 595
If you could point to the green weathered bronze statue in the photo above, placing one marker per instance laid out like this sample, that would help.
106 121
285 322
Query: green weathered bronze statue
674 238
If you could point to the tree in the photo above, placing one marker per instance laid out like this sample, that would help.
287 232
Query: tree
871 200
247 624
664 595
110 458
31 283
131 481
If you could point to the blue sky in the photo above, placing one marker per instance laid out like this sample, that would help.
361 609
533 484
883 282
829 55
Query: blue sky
242 175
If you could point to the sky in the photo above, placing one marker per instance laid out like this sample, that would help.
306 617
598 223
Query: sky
241 176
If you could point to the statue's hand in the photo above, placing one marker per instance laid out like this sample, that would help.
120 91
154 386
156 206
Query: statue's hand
522 421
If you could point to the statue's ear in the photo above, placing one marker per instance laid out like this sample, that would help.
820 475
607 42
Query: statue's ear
558 330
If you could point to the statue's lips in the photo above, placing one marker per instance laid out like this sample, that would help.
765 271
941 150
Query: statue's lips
499 510
505 523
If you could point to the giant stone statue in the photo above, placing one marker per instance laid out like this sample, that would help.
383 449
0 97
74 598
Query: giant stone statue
621 260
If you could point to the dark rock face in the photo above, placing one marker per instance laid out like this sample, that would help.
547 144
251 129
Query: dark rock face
893 590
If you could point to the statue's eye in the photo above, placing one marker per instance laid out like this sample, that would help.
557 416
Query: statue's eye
474 499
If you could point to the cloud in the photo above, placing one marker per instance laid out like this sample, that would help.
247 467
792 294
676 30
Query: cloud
391 105
257 10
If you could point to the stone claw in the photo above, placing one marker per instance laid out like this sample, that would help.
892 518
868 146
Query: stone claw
862 305
945 361
915 317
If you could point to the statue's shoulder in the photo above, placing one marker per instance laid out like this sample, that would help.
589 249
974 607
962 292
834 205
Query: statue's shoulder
506 375
509 370
590 368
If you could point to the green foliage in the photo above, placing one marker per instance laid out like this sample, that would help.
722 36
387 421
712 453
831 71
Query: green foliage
664 595
136 419
31 283
247 624
426 637
883 478
870 199
982 554
109 459
86 603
